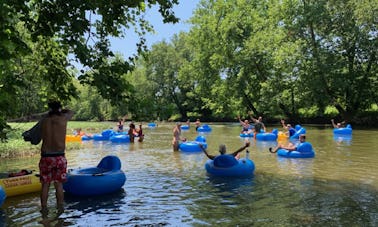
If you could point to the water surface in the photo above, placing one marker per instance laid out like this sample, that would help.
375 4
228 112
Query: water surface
164 188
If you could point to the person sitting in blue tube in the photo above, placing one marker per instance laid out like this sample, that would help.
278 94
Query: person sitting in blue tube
290 146
222 150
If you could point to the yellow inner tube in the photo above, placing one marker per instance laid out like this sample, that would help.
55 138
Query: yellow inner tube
21 185
282 136
72 138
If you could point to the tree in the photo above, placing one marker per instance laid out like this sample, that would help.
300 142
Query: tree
339 48
81 28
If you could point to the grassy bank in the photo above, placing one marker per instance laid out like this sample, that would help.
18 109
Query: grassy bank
16 146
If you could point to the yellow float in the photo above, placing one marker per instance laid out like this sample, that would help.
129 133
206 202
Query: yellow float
282 136
73 138
19 185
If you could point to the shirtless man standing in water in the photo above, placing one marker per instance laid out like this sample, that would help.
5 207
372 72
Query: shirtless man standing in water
53 164
176 137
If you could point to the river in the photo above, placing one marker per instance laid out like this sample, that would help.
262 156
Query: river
339 187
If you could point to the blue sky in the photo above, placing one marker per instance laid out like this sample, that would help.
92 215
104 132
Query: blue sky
127 45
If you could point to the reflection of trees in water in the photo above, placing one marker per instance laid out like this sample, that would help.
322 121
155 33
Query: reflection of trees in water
270 200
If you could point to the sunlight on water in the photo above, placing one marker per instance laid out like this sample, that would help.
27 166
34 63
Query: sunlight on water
336 188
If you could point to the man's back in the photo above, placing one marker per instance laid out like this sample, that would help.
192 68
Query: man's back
54 129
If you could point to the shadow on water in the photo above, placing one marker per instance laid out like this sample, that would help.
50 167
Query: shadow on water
89 204
229 185
269 200
2 218
80 208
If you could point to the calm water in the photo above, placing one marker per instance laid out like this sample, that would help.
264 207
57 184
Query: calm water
339 187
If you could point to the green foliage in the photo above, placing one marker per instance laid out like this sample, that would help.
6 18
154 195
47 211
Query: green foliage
37 37
273 58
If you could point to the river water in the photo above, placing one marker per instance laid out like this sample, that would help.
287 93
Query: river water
339 187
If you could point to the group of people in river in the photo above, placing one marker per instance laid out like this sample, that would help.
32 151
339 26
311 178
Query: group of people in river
254 128
132 131
247 127
51 130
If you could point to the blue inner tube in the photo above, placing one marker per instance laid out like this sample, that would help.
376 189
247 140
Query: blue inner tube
304 150
107 133
246 134
204 128
99 137
343 131
2 196
266 136
228 166
120 138
86 137
297 133
184 127
107 177
192 146
151 125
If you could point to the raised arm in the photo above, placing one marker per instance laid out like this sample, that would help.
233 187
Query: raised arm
247 143
204 151
241 122
333 123
283 124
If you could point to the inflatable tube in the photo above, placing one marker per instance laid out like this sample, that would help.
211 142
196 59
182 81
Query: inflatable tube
105 135
106 178
246 134
304 150
73 138
343 131
228 166
184 127
193 146
120 138
20 184
297 133
100 137
151 125
266 136
2 196
282 136
204 128
86 138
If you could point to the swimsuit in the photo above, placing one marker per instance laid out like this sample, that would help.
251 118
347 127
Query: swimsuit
53 168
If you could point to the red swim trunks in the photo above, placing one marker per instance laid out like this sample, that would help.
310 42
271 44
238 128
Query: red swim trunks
53 169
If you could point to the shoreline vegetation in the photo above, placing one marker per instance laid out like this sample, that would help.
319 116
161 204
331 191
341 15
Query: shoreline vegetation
17 147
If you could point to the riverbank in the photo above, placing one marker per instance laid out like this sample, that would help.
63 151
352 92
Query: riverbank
15 146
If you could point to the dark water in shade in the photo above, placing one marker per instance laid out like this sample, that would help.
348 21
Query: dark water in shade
339 187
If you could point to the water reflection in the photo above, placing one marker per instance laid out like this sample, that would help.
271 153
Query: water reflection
93 203
298 166
342 139
231 185
339 187
2 218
